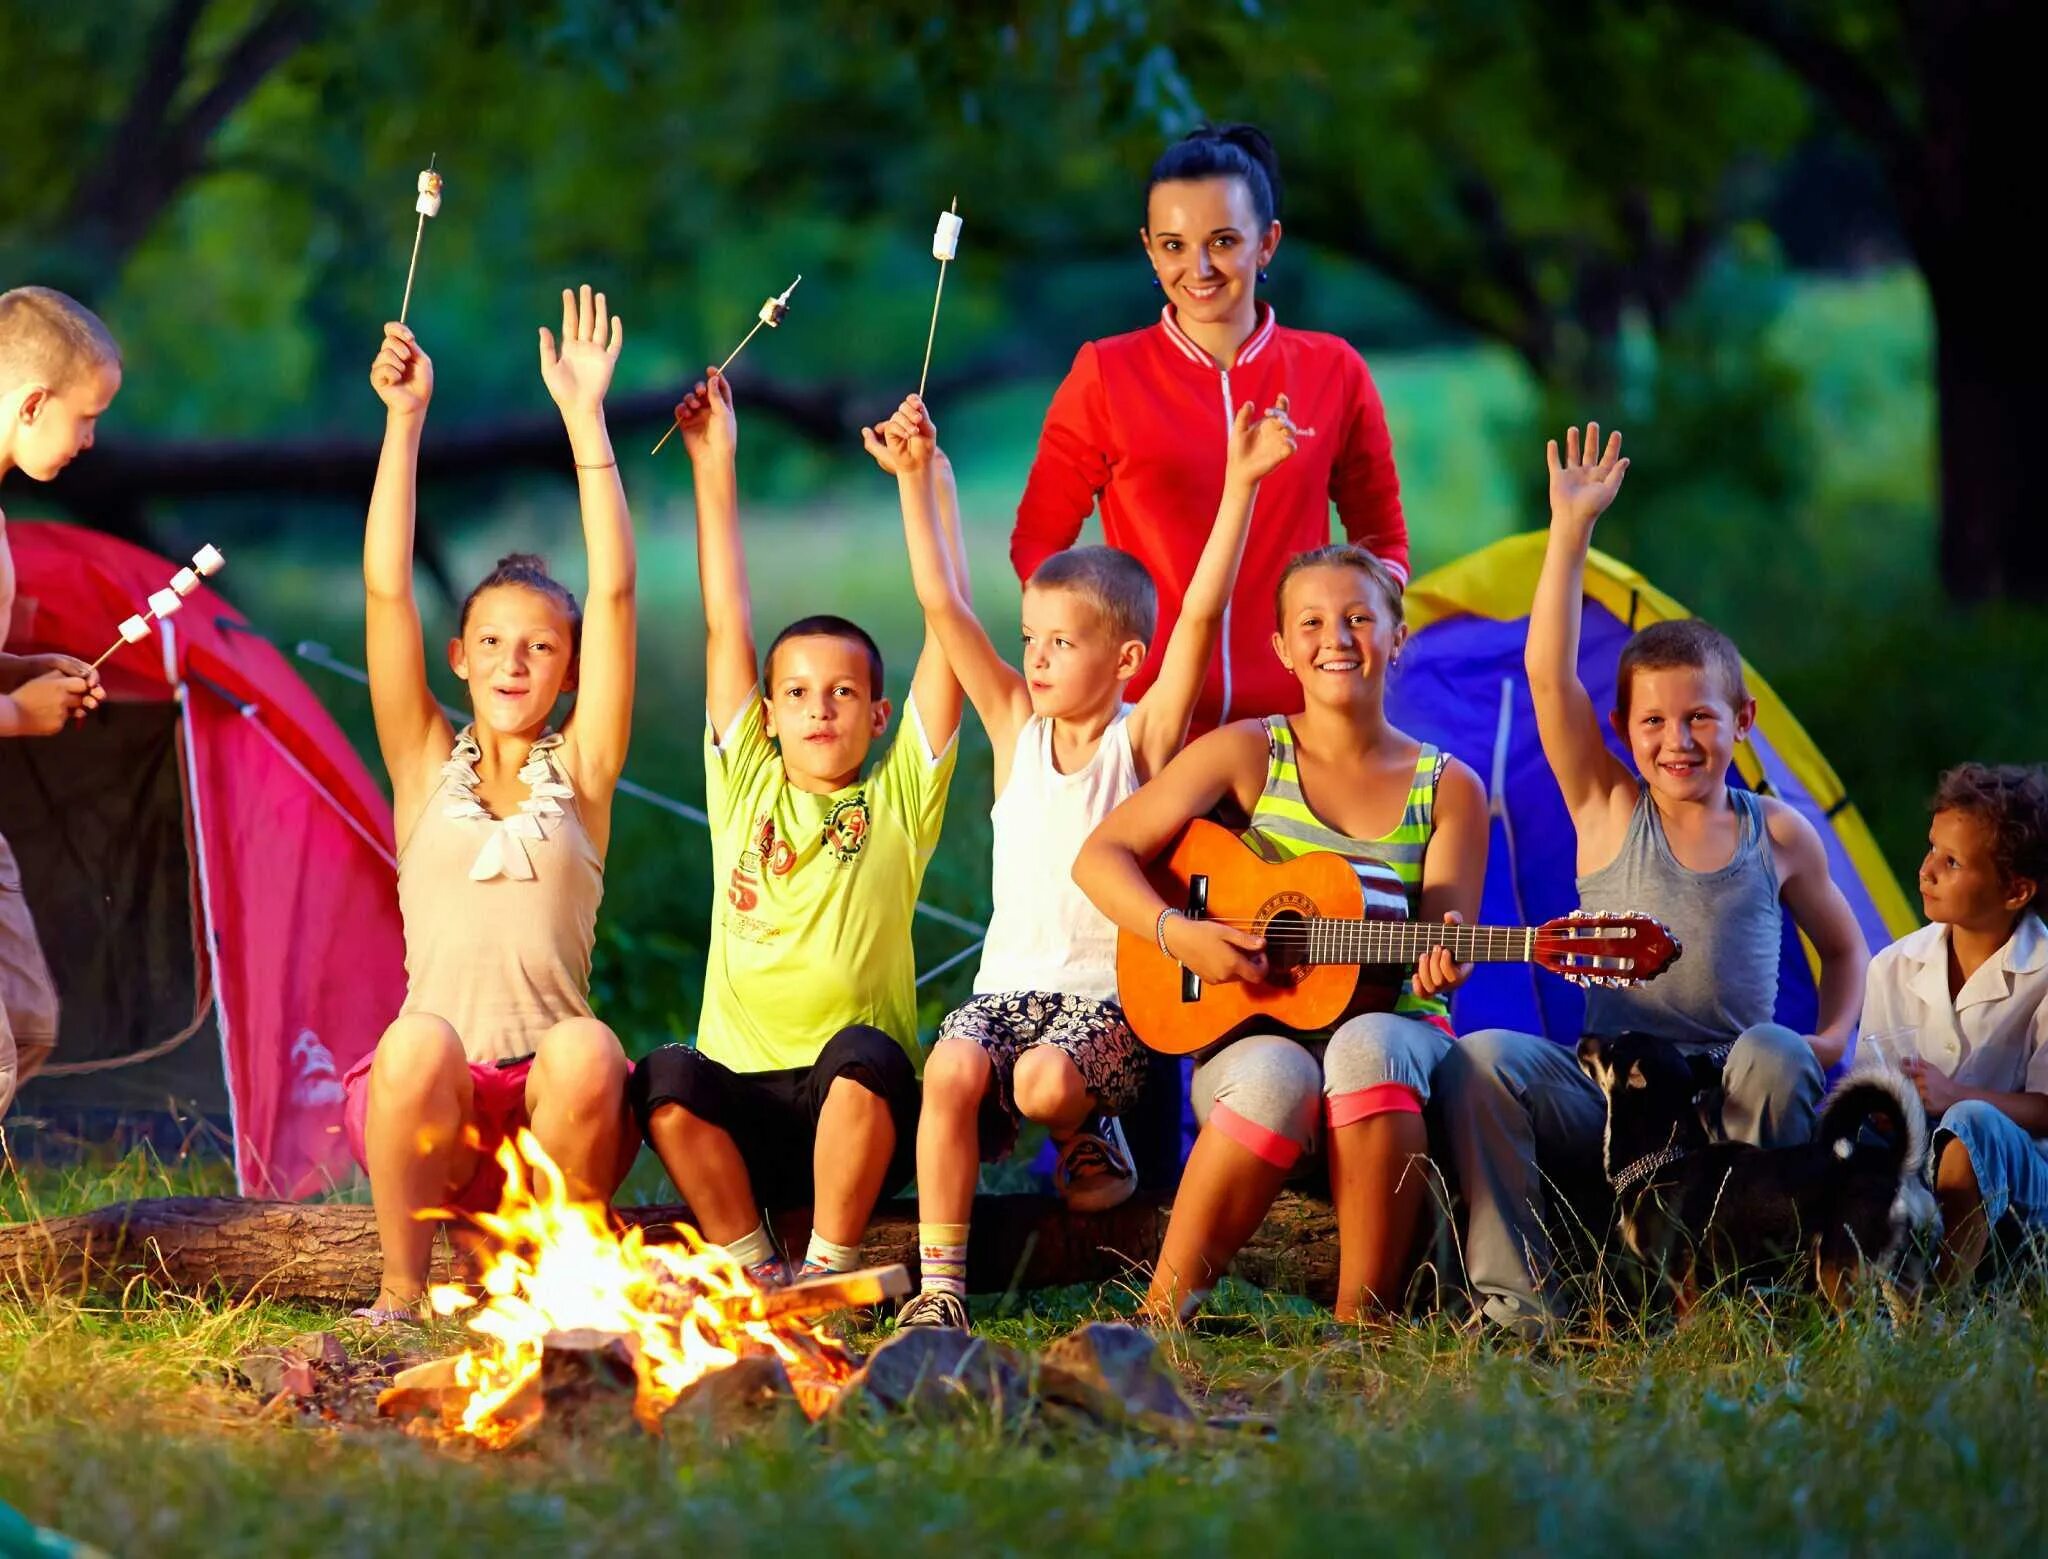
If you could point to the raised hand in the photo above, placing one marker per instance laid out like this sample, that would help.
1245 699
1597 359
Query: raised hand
706 420
1586 480
909 439
402 374
1260 444
578 374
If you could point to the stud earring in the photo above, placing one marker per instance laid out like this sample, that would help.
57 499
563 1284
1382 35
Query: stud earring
1262 274
1155 283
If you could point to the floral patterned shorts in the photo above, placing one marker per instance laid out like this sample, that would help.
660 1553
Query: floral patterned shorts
1091 1034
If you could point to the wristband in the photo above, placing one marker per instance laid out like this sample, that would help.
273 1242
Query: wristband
1159 930
595 465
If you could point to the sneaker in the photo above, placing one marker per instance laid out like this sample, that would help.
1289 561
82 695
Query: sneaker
933 1307
771 1272
1095 1172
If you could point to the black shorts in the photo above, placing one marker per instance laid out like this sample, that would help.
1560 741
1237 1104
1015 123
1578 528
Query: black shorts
772 1117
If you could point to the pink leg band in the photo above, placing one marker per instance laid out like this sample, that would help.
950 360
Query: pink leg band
1347 1109
1281 1152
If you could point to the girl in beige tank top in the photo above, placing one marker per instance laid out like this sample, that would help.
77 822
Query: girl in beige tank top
503 828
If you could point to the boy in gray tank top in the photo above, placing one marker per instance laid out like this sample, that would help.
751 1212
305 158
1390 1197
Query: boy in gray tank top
1668 838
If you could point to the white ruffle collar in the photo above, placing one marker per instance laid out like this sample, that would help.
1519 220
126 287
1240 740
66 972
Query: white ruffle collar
504 848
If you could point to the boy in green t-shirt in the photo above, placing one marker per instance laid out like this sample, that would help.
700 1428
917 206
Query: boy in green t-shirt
802 1085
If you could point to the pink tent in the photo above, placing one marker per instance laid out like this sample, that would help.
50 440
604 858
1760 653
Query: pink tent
207 859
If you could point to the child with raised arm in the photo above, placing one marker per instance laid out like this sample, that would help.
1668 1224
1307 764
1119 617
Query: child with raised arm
1672 838
59 371
801 1088
1963 1005
1411 822
1043 1039
501 828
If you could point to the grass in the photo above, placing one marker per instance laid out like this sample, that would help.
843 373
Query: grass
1768 1428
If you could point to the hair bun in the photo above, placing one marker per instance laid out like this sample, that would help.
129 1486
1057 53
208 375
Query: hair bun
521 561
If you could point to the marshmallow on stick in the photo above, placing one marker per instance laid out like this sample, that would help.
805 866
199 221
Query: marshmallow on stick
945 247
428 205
206 562
771 314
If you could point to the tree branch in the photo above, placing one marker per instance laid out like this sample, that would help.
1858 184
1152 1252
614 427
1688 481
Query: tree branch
153 156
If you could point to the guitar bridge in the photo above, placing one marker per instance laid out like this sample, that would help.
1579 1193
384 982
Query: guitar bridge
1196 908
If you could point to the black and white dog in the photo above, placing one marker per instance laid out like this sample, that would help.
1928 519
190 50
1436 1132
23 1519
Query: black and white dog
1696 1211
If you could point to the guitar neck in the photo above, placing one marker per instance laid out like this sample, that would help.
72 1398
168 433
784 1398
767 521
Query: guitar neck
1405 941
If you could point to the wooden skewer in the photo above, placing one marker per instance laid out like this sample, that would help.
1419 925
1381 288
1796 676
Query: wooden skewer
931 335
418 233
762 319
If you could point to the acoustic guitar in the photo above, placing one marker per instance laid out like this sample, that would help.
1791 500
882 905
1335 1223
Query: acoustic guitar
1321 946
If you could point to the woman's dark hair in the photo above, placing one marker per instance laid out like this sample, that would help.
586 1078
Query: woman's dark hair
529 570
1224 152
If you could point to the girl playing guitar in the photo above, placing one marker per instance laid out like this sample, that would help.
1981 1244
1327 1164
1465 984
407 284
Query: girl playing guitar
1412 821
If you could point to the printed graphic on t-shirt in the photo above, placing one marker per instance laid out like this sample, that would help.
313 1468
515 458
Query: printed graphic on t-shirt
846 826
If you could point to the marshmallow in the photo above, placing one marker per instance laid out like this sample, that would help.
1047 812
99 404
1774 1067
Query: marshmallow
134 630
208 560
773 310
429 203
184 581
946 240
164 603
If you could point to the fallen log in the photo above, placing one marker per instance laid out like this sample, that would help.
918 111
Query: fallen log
328 1252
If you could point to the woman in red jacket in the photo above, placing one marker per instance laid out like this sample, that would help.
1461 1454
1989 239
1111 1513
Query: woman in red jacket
1142 422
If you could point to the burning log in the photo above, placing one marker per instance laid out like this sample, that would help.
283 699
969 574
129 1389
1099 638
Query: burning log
327 1253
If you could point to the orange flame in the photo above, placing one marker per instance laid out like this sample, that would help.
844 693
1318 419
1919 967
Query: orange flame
683 1310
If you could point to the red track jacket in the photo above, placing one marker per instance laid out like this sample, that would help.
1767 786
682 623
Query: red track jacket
1142 421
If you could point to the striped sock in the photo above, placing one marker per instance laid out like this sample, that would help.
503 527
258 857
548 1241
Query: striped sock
942 1258
755 1248
833 1258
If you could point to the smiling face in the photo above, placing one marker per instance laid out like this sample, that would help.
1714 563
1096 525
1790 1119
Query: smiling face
1074 664
1960 883
48 429
1207 246
517 655
822 707
1681 728
1338 634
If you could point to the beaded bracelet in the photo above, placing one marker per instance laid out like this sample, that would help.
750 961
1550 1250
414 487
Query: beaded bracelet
1159 930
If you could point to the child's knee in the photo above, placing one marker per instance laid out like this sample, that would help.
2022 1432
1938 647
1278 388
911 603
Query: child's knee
581 1058
1047 1085
956 1075
1378 1062
1266 1097
1777 1059
418 1056
673 1089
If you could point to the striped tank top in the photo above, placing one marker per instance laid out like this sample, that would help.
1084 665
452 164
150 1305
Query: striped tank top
1389 868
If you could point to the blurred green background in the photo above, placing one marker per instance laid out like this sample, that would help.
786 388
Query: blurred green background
1705 224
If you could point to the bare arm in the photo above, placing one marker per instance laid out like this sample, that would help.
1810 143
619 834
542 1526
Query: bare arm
1820 911
711 436
1111 866
1453 872
935 692
907 446
412 733
1160 723
577 376
1597 786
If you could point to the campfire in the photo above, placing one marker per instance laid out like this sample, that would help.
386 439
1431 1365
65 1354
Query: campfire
568 1307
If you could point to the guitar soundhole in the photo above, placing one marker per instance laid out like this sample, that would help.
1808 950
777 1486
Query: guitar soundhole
1286 928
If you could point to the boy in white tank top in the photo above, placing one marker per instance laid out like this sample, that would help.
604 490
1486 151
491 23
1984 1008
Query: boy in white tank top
1043 1038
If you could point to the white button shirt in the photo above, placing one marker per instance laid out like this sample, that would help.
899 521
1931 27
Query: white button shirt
1994 1034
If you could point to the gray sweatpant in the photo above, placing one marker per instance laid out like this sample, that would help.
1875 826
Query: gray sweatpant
1524 1126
